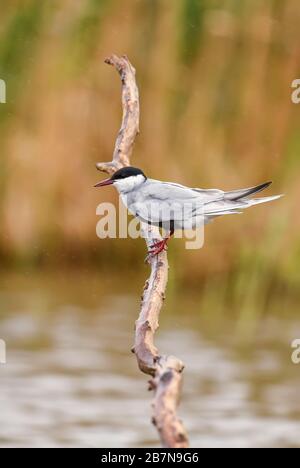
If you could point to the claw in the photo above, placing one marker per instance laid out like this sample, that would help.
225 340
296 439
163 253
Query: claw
158 247
158 243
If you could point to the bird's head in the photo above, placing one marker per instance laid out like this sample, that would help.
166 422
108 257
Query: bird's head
125 179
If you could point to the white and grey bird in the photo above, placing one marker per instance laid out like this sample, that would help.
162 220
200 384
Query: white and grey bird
174 206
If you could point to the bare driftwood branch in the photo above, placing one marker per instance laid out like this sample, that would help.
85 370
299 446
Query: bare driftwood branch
165 371
131 116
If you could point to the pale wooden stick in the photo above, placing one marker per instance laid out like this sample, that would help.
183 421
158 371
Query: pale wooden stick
165 371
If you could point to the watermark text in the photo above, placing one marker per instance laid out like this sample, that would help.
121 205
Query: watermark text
2 92
184 220
2 352
295 96
296 353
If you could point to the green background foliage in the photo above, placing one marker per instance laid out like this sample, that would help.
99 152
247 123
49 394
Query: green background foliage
215 84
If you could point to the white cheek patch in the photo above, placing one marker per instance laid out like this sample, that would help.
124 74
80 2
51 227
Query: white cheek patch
125 185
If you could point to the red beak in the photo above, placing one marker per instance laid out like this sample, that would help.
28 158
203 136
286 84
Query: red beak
104 182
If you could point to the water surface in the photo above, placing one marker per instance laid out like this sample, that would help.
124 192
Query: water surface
70 379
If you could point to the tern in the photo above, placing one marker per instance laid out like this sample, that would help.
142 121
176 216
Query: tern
173 206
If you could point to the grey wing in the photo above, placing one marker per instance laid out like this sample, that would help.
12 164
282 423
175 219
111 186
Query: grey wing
159 202
209 195
205 195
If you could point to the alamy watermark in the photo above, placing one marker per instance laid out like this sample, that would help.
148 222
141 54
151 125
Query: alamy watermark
186 219
295 357
295 96
2 352
2 92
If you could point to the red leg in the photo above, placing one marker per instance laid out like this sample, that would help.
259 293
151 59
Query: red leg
159 246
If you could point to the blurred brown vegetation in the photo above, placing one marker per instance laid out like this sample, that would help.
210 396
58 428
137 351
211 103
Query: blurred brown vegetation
215 85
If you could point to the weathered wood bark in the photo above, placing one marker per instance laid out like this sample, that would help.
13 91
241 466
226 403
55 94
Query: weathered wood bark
165 371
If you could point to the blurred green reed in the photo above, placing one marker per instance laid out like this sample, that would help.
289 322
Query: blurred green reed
19 37
215 84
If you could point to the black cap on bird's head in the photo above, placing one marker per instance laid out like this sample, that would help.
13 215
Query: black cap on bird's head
122 174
